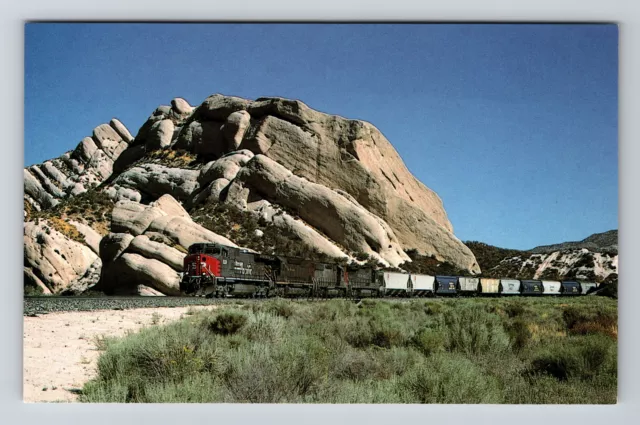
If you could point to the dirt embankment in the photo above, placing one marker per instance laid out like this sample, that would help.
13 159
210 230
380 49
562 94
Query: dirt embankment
59 351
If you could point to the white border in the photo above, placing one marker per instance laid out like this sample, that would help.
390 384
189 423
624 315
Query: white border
14 15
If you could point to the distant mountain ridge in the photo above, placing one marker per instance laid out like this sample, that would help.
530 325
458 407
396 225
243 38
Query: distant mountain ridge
598 242
593 258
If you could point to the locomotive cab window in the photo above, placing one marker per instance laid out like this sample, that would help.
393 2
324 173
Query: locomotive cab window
213 250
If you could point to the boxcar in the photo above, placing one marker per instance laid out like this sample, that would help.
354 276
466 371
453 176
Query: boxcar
468 284
531 287
570 288
423 284
395 284
509 286
588 287
489 286
446 285
551 287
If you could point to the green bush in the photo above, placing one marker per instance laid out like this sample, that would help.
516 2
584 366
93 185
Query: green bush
282 308
264 327
449 378
583 321
268 373
520 334
472 330
373 352
576 357
227 323
514 309
429 341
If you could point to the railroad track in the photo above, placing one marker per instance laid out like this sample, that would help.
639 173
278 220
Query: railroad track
36 305
43 304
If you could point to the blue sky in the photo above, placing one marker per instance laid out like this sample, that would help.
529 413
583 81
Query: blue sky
514 126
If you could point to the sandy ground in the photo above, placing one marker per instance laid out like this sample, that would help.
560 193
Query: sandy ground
59 351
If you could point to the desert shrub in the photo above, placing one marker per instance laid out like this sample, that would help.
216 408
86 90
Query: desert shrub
282 308
609 287
472 330
227 323
155 356
433 308
357 365
583 322
519 333
67 229
264 327
92 207
374 329
576 357
514 309
272 373
429 341
490 257
449 378
240 227
32 290
371 352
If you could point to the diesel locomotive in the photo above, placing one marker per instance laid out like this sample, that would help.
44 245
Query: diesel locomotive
215 270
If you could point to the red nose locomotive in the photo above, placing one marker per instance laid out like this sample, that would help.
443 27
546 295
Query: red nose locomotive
220 271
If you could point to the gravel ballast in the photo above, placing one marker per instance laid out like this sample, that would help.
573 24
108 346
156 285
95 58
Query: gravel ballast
49 304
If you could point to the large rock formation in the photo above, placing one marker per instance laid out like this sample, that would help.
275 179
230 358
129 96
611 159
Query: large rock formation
73 173
148 244
337 185
55 262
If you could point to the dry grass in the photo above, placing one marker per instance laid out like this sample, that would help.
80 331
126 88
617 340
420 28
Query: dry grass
67 229
92 208
172 158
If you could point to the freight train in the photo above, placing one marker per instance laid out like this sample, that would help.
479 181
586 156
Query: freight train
215 270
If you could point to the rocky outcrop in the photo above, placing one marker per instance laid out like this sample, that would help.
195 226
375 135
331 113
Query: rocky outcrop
336 184
56 262
160 135
305 233
581 264
148 244
338 217
154 180
130 270
73 173
341 154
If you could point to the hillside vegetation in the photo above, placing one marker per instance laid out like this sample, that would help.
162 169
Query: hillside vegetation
560 263
598 242
436 351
